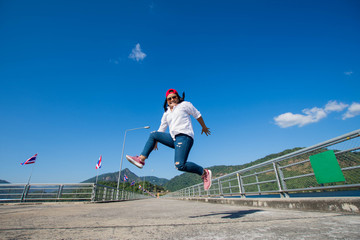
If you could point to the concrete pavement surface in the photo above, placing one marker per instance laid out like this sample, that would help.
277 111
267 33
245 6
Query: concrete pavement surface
170 219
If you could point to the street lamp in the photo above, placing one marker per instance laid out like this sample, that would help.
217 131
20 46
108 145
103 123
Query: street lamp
122 156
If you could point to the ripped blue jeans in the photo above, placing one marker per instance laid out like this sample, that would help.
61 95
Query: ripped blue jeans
182 146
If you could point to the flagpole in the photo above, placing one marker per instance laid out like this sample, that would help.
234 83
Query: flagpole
32 170
27 186
97 174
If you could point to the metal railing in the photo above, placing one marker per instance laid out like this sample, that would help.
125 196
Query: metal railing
64 192
291 173
104 193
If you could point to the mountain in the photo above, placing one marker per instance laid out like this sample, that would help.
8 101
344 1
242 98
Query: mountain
113 177
156 180
189 179
3 181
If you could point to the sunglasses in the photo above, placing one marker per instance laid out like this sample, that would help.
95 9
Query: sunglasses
173 97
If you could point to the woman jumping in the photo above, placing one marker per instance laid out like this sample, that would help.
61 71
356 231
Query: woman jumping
180 136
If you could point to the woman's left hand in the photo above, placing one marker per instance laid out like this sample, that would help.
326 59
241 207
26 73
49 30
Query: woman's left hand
206 130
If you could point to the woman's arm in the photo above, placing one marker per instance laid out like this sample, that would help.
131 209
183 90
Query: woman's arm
197 115
205 129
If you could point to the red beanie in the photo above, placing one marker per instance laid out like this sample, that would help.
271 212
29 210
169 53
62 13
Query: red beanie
170 91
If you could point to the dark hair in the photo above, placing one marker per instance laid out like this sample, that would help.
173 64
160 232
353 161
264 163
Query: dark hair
180 100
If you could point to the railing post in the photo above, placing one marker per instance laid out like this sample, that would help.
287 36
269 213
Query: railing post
283 194
104 193
281 176
257 181
60 191
25 192
220 188
241 187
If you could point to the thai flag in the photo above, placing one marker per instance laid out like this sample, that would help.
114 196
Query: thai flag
30 160
98 164
125 178
132 183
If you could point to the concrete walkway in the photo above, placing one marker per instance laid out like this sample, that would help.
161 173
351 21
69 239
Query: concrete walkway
170 219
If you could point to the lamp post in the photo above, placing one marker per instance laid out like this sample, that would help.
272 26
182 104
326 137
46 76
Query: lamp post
122 156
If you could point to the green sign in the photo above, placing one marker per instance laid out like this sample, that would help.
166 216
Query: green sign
326 167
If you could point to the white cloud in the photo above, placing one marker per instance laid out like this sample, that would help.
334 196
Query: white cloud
137 54
349 73
352 111
315 114
310 116
334 106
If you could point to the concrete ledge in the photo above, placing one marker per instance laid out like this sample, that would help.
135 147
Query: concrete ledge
329 204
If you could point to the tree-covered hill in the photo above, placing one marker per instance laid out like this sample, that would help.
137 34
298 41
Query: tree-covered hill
113 177
188 179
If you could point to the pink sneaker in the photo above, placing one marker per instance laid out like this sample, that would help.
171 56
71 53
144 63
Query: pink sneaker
136 161
207 179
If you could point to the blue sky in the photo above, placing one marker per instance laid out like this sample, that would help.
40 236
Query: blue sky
266 76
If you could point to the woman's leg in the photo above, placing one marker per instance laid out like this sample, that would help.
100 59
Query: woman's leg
164 138
183 146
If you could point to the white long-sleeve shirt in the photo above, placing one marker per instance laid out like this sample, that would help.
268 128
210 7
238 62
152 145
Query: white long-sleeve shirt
178 120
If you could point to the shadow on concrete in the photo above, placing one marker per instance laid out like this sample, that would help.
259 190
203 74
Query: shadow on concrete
231 215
